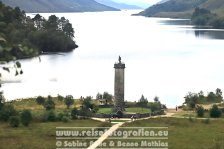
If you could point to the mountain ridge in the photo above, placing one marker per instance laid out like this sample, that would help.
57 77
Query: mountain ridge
117 5
183 8
34 6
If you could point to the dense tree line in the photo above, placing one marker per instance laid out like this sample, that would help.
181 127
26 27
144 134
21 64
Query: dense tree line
192 99
22 37
204 17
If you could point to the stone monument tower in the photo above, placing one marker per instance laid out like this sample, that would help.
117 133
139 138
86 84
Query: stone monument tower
119 85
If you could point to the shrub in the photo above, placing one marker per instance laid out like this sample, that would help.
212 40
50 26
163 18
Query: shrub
69 101
50 116
60 116
200 111
26 117
65 119
215 112
7 111
60 98
49 103
74 113
14 121
40 100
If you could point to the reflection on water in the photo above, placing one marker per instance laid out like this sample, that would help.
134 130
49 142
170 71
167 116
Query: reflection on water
163 57
212 34
200 32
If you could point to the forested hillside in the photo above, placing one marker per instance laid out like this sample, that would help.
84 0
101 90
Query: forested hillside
183 8
58 5
23 37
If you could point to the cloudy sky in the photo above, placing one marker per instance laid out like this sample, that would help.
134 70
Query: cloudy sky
142 3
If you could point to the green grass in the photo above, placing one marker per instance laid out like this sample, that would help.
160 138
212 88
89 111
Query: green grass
127 110
186 133
37 135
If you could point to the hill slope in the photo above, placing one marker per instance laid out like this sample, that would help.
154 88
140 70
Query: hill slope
118 5
183 8
58 5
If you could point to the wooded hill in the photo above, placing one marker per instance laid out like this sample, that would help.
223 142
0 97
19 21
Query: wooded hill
183 8
34 6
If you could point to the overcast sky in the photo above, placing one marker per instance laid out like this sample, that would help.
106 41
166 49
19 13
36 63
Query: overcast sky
139 2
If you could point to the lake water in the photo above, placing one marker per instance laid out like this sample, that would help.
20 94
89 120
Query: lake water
164 57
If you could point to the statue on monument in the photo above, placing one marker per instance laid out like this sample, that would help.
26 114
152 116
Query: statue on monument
119 59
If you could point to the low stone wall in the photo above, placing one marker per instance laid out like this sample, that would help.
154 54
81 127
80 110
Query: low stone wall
137 115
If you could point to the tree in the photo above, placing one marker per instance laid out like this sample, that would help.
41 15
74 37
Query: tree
215 112
60 98
142 102
26 117
108 97
40 100
156 99
49 104
191 99
200 111
7 111
2 100
99 96
69 101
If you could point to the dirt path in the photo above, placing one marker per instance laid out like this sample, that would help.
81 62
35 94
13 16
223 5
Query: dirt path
105 135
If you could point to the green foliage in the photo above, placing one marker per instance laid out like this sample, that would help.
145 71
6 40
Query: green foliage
108 97
192 99
40 100
74 113
24 37
215 112
69 101
142 102
26 117
49 103
200 111
155 106
14 121
50 116
65 119
7 111
204 17
60 98
2 100
172 6
99 96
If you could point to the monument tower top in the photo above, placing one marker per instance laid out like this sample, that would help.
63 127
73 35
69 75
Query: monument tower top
119 64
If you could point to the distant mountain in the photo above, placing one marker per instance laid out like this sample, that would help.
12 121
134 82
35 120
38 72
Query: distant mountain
58 5
118 5
182 8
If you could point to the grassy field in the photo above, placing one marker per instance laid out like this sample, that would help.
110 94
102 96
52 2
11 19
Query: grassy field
37 135
128 110
187 133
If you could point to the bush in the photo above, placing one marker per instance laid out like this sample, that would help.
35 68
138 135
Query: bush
60 116
215 112
74 113
50 116
26 117
65 119
14 121
69 101
49 103
7 111
40 100
200 111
